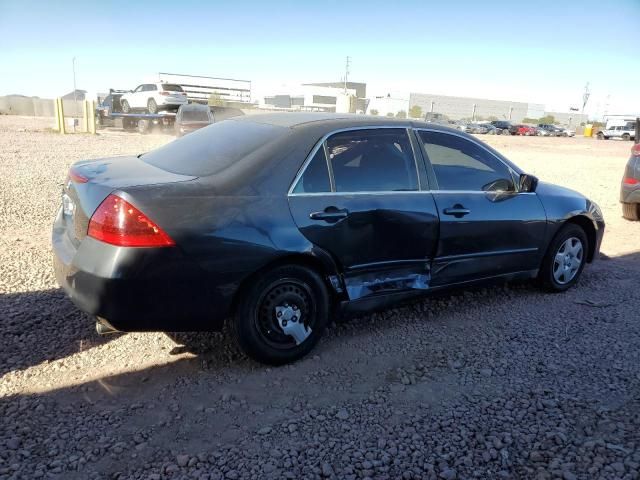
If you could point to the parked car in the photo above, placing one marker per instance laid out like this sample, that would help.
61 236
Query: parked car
192 117
502 127
552 130
525 130
568 132
274 221
478 129
543 132
630 188
491 129
624 132
154 97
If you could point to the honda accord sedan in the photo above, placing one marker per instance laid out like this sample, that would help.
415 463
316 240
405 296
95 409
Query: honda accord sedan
274 223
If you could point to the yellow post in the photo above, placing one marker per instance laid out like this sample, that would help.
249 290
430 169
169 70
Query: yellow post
85 119
92 117
63 127
56 114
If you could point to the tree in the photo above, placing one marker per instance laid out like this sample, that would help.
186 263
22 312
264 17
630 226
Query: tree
547 119
415 111
373 111
215 100
401 114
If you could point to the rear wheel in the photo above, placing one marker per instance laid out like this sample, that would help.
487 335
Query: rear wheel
565 259
626 137
631 211
282 315
152 106
126 108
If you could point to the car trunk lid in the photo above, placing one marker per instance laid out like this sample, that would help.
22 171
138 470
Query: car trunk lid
91 181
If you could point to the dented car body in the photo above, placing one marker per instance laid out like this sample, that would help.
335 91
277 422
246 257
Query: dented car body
381 209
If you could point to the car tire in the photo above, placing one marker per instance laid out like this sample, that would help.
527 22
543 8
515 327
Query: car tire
126 108
291 290
631 211
626 137
152 106
564 261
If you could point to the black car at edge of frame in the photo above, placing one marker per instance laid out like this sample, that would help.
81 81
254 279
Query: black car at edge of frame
271 221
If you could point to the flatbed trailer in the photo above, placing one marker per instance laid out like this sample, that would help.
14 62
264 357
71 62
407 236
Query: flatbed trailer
144 122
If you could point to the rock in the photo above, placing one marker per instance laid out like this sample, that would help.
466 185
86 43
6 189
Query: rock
327 469
182 460
448 474
264 431
342 414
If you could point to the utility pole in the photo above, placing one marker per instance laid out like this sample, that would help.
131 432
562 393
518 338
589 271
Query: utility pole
346 72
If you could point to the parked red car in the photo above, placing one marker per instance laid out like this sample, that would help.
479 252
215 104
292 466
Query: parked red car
525 130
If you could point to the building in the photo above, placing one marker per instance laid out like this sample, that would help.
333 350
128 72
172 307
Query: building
570 119
388 106
457 108
198 88
321 97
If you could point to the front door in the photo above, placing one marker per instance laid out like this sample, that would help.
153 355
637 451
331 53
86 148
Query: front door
359 199
487 227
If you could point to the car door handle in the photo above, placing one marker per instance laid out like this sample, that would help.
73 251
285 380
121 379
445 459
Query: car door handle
330 214
457 211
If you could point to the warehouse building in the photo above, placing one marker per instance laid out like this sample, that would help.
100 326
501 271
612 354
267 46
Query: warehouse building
321 97
457 108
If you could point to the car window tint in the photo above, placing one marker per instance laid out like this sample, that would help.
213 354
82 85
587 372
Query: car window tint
315 178
211 150
372 161
460 164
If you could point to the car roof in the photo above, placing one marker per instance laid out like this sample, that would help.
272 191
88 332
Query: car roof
295 120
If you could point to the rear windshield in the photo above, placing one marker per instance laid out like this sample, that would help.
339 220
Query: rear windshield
212 149
198 115
169 87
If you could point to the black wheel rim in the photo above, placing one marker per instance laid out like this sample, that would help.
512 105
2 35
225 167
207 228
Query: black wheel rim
286 292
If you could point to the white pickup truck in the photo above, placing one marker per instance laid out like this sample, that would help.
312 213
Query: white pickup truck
613 129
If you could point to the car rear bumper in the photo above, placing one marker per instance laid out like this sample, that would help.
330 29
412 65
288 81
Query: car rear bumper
629 194
137 289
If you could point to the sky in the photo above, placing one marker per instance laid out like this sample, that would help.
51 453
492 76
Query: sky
532 51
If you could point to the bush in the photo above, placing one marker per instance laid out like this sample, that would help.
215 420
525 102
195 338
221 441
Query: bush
415 112
373 112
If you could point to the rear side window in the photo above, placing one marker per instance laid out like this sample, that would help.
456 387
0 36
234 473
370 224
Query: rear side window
315 178
460 164
372 161
214 148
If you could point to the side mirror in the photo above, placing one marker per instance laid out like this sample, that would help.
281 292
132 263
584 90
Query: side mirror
528 183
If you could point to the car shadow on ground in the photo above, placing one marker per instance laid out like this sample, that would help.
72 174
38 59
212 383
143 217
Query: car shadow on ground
46 319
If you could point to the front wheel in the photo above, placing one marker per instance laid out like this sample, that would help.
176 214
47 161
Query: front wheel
626 137
126 108
565 259
281 315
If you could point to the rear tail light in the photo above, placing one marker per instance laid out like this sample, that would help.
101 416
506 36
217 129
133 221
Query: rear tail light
119 223
635 150
76 177
630 181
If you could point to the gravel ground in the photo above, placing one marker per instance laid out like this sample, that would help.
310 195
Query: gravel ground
495 382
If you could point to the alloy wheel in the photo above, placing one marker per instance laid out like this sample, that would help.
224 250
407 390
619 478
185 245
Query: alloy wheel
568 260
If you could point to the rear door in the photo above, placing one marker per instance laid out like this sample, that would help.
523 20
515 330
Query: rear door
359 197
487 227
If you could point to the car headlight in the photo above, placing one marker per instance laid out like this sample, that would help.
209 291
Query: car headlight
596 211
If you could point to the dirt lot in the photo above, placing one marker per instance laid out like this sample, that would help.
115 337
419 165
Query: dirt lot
497 382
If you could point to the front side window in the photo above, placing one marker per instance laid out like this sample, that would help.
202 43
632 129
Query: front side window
138 89
315 178
460 164
372 160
